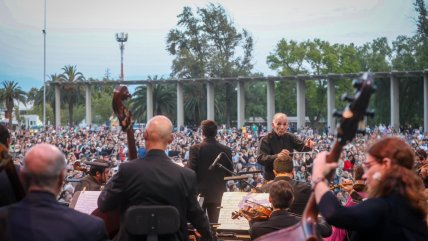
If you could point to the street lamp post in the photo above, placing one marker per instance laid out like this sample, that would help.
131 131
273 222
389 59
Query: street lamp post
44 70
121 38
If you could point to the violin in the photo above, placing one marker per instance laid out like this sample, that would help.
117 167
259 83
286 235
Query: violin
78 167
346 185
256 212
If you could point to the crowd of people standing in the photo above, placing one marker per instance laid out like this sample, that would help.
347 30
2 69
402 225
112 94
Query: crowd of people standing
93 155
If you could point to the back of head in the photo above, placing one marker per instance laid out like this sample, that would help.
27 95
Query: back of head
283 166
400 177
43 165
98 168
4 135
158 133
394 148
281 194
209 128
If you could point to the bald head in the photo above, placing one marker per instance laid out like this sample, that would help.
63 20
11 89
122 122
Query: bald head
280 123
158 132
43 165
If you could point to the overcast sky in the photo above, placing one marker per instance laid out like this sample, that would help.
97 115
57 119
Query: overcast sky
82 32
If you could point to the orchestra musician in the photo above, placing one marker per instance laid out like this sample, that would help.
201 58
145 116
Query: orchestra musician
281 197
396 208
96 178
279 144
211 184
283 170
156 180
39 216
7 196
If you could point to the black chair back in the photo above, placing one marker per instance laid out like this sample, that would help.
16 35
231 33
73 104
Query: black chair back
152 221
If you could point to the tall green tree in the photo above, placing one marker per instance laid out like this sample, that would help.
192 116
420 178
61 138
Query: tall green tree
11 94
71 93
311 57
207 44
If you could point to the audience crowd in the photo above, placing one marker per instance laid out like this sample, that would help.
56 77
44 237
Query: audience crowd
110 144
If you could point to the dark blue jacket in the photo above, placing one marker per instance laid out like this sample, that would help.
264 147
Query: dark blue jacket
39 217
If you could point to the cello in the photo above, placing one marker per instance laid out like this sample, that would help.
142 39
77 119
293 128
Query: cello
126 121
350 124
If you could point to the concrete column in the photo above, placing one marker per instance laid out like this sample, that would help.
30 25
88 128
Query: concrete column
180 106
395 104
149 102
270 103
241 104
88 105
426 100
210 100
331 105
57 106
301 107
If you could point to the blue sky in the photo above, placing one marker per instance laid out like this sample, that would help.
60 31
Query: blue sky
82 32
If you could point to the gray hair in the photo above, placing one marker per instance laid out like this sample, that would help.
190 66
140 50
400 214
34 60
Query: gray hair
43 164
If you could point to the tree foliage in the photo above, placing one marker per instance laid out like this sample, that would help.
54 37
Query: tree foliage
207 44
10 95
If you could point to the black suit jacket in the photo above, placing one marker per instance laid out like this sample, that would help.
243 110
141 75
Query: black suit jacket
39 217
211 184
302 192
272 144
7 195
278 220
155 180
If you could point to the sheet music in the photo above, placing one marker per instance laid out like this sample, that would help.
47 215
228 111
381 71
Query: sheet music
87 201
234 201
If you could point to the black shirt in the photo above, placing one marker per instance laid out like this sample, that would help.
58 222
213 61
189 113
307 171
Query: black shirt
272 144
388 218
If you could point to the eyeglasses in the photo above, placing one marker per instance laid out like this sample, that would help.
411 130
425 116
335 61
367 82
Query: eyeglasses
367 165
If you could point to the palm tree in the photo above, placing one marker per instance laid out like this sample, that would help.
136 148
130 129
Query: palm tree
71 93
10 93
164 100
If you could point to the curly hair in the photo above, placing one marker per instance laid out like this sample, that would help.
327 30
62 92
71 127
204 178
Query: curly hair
400 177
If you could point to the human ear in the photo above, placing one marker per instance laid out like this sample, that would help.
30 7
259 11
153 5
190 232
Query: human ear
387 162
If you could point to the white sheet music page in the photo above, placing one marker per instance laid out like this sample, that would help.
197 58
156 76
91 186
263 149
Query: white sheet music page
234 201
87 201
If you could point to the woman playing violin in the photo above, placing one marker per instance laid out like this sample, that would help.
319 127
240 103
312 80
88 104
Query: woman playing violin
396 208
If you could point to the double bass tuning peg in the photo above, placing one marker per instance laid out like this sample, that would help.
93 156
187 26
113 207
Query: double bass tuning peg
346 97
337 113
370 113
357 83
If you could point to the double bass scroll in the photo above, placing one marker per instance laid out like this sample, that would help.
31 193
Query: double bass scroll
126 121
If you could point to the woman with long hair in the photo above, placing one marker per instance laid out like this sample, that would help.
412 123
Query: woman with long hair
396 208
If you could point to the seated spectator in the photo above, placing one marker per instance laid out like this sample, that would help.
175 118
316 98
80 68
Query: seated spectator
39 216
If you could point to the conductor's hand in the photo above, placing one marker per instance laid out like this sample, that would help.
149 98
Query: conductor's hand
283 155
309 143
